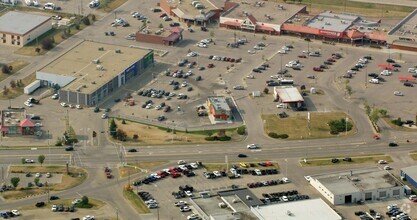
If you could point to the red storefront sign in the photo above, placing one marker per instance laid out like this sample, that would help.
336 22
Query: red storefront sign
330 34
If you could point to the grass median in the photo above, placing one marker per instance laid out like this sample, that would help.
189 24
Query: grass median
133 168
413 155
295 126
137 203
356 159
76 177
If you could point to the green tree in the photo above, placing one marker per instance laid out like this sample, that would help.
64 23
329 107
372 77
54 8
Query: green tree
86 21
266 90
367 108
374 116
41 159
47 44
84 200
113 128
36 180
5 69
23 160
15 181
383 112
123 122
161 25
58 141
348 89
121 135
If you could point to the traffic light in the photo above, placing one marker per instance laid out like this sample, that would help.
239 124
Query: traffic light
94 134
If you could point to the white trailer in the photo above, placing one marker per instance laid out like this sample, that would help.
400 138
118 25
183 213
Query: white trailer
32 87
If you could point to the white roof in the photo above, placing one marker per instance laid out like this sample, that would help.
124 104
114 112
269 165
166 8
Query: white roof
288 94
297 210
20 23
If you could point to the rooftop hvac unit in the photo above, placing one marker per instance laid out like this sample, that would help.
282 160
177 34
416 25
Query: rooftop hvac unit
118 51
99 67
96 61
101 49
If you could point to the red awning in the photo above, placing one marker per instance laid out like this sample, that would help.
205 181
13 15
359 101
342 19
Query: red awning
265 28
232 23
386 66
407 78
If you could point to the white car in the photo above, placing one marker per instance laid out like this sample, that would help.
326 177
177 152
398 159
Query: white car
252 51
188 193
158 107
387 168
193 217
289 65
351 71
282 51
181 162
29 161
48 175
250 76
386 73
185 209
285 48
55 96
28 104
88 217
206 41
63 104
153 206
104 116
38 125
382 162
281 105
71 106
194 165
38 175
49 6
192 54
149 106
275 76
202 45
16 212
412 70
285 180
398 93
184 84
284 198
308 178
76 201
181 203
150 201
258 172
252 146
54 208
217 173
78 107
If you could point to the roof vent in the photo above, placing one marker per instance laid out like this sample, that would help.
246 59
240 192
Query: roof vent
118 51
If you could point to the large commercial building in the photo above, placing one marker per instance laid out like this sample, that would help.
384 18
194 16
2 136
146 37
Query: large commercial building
357 185
410 175
90 71
404 35
259 16
197 12
161 36
302 209
18 29
331 26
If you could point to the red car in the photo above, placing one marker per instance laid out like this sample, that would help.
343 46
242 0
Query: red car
210 65
175 175
163 15
331 60
302 56
317 69
268 163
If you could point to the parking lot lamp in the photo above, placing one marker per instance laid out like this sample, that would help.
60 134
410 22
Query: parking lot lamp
281 63
286 168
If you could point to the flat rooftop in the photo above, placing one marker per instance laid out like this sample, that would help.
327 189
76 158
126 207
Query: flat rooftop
303 209
188 9
78 63
411 171
332 22
264 11
219 103
12 117
242 193
20 23
406 27
289 94
357 180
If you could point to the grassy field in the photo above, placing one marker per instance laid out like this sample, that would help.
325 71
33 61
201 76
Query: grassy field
396 127
222 166
137 203
130 169
17 65
368 9
149 134
110 5
296 126
55 34
17 91
68 181
356 159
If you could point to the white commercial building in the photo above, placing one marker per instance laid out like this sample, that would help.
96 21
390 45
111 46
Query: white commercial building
303 209
18 29
357 185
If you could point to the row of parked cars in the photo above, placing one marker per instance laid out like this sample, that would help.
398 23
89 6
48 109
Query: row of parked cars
10 214
284 196
326 63
265 183
225 59
148 199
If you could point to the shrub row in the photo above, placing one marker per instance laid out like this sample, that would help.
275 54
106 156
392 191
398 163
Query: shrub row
216 138
275 135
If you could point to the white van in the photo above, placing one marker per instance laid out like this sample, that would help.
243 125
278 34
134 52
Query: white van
411 70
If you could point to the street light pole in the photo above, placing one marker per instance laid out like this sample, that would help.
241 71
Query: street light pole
281 64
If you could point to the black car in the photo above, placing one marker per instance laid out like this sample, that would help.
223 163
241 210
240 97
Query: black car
396 65
35 118
347 159
335 160
256 70
354 68
393 144
301 108
408 84
53 198
328 63
204 28
96 109
390 61
296 68
368 57
40 204
132 150
69 148
242 155
175 24
359 213
373 75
